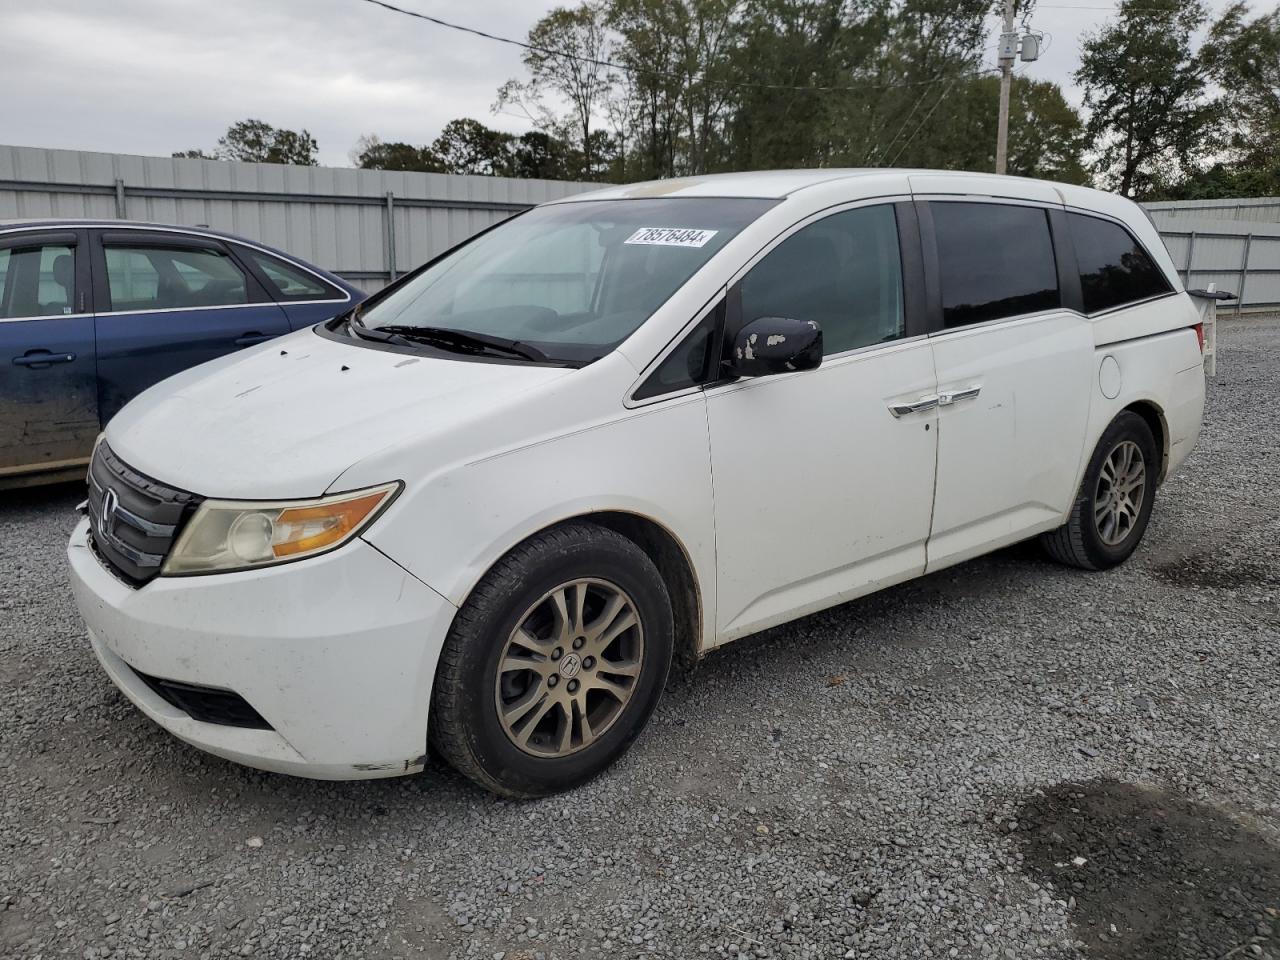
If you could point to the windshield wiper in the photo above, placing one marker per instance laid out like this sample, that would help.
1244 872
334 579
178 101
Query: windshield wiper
359 329
460 339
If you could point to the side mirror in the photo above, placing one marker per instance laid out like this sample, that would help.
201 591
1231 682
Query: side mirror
769 345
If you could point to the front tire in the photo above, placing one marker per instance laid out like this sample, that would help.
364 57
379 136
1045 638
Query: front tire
554 663
1113 505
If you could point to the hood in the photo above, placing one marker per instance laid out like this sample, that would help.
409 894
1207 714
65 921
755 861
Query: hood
283 420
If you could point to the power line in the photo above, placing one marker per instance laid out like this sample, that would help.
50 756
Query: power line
546 51
920 127
901 130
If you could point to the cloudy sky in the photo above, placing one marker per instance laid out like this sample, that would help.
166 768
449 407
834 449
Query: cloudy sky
155 76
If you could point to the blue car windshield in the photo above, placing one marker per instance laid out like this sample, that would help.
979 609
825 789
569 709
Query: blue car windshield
572 280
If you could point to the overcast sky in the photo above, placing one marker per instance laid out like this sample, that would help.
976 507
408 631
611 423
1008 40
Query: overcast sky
155 76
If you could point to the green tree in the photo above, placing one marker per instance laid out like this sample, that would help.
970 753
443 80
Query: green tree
678 55
701 86
785 45
1046 134
468 146
370 153
648 97
1147 94
1244 56
258 142
538 155
923 56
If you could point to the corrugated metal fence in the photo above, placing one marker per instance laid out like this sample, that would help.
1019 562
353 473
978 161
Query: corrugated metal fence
371 225
1233 243
1246 209
365 225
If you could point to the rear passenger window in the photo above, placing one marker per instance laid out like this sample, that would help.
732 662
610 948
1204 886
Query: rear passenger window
1114 269
37 281
844 271
994 261
288 282
160 278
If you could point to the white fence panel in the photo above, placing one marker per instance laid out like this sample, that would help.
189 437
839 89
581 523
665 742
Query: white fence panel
365 225
372 225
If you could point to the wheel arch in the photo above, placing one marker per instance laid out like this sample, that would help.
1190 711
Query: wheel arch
1153 415
674 564
668 554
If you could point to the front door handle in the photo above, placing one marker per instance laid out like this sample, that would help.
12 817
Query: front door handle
249 339
948 397
918 406
42 358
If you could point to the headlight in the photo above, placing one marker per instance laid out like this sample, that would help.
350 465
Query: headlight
237 535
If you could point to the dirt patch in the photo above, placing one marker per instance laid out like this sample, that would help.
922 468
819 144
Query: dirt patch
1162 877
1223 572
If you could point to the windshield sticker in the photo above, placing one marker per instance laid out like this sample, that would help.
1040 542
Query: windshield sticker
671 236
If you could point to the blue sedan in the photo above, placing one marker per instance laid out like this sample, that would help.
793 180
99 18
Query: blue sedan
92 313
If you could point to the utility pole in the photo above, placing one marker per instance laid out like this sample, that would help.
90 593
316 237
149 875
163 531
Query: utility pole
1008 50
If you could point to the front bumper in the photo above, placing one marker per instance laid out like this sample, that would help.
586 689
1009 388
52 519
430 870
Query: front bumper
337 653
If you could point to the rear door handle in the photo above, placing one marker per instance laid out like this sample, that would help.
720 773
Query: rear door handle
949 397
249 339
42 358
918 406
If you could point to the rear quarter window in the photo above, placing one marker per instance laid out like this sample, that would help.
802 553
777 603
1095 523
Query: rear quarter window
1114 267
288 282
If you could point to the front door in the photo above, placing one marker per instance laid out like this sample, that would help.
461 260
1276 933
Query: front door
169 301
48 388
824 480
1015 377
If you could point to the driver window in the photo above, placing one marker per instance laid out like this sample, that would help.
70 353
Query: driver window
844 271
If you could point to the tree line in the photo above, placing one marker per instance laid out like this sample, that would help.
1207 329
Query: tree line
1177 104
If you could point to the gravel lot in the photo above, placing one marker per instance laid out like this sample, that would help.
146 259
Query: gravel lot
1006 759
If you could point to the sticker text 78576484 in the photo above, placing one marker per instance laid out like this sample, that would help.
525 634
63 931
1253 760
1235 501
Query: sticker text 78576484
671 236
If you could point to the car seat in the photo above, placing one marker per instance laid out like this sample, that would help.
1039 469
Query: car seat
64 275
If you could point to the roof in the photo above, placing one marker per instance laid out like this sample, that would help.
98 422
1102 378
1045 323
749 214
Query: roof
760 183
777 184
56 222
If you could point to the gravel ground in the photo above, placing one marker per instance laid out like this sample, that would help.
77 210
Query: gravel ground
1005 759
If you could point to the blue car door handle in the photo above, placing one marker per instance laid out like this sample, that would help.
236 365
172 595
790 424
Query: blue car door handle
249 339
42 358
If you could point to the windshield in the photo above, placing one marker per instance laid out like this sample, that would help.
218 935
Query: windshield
570 280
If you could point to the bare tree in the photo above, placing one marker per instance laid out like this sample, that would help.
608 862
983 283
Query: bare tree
567 59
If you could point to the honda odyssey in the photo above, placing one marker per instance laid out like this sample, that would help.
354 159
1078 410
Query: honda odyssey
486 508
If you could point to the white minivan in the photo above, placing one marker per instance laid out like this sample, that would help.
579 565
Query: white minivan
486 508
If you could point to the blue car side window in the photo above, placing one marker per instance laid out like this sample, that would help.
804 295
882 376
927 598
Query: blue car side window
288 282
36 281
156 278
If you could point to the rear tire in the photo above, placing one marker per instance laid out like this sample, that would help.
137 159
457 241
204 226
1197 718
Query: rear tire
554 663
1113 505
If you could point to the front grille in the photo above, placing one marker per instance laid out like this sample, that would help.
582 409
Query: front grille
133 518
206 704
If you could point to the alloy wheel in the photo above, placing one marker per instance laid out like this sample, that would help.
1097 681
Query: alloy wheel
1117 501
569 667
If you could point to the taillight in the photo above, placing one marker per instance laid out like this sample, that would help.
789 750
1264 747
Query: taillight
1199 329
